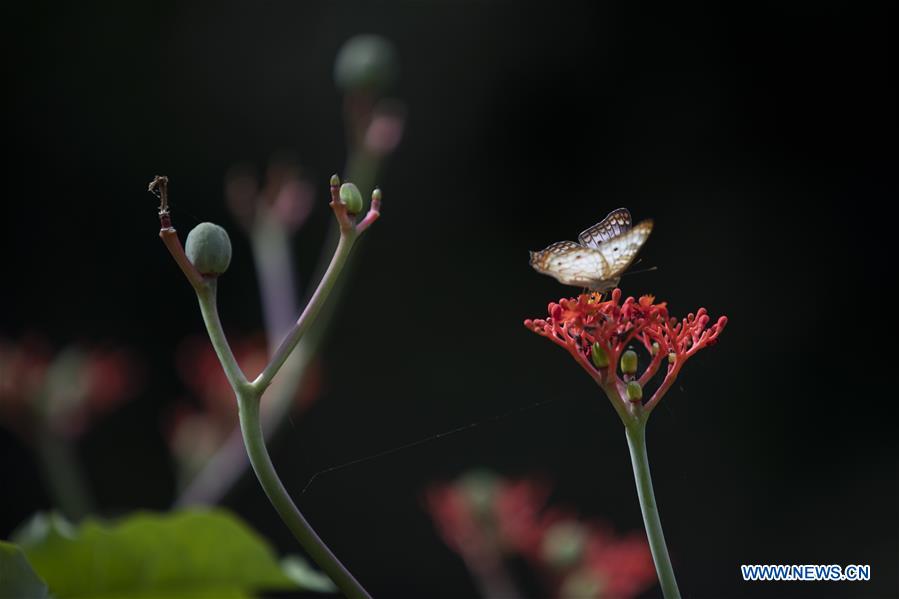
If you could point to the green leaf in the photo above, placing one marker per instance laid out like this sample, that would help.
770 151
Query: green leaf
188 554
17 578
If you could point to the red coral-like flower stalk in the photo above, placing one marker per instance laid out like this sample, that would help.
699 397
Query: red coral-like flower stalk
596 333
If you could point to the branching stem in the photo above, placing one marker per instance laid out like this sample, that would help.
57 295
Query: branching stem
249 394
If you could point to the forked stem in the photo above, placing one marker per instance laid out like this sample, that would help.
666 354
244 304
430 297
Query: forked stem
248 398
249 394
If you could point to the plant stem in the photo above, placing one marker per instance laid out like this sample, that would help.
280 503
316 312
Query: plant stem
64 475
248 399
251 427
344 247
636 441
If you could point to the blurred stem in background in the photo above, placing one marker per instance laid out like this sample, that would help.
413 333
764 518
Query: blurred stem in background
365 67
51 399
64 475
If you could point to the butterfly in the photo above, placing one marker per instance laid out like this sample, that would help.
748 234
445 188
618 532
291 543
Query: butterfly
601 255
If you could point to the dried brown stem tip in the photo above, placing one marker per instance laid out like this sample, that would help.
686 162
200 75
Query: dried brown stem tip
159 187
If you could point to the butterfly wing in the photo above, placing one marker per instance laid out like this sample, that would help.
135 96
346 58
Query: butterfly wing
571 264
619 252
617 222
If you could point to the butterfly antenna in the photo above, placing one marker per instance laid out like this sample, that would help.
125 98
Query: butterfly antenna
642 270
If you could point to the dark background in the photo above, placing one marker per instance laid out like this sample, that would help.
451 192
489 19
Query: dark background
755 134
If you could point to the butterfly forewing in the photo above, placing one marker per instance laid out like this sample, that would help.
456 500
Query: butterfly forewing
617 222
620 251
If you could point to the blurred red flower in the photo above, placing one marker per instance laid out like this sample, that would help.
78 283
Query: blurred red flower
194 432
63 391
485 518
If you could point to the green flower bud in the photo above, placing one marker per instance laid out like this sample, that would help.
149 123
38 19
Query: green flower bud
655 347
365 62
629 362
598 356
335 181
351 197
634 391
671 357
563 544
208 248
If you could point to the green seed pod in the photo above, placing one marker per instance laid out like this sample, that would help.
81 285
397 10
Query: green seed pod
629 362
208 248
634 391
598 356
351 197
367 63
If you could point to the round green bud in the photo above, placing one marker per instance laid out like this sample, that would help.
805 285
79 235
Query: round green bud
598 356
563 544
655 347
634 391
208 248
335 181
351 197
672 357
365 62
629 362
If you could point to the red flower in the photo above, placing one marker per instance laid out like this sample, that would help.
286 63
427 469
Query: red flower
598 332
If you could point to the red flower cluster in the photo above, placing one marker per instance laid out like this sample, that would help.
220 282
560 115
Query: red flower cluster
598 332
62 391
485 519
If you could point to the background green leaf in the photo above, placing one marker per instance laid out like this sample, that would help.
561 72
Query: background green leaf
185 554
17 578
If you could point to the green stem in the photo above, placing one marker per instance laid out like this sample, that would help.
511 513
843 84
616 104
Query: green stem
248 398
251 427
636 441
206 294
344 247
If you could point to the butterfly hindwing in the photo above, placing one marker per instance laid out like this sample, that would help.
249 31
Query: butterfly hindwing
571 263
617 222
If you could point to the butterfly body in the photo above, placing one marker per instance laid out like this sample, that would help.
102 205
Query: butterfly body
599 257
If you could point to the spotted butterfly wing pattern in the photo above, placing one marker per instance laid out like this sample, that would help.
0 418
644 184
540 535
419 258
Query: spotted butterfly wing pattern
605 251
617 222
620 251
571 263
